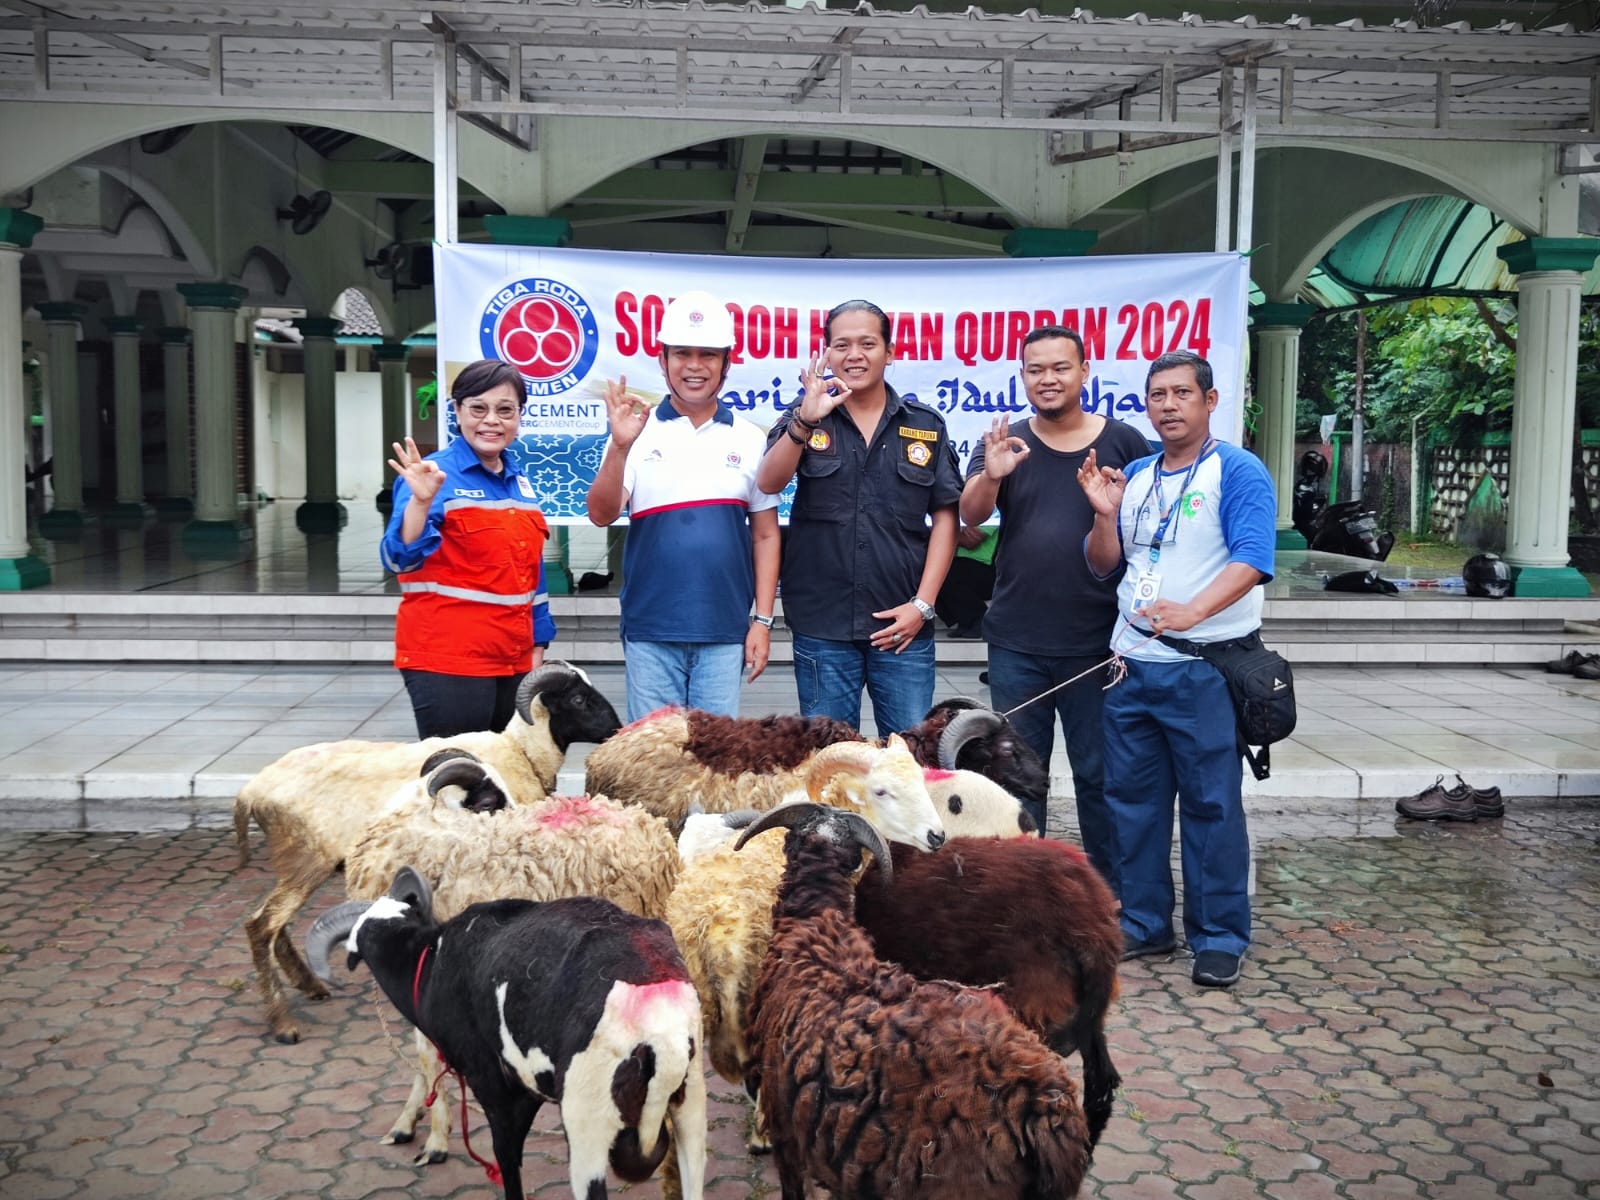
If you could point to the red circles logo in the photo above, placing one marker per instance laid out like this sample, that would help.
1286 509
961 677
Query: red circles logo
544 328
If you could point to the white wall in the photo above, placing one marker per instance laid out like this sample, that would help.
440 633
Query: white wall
281 432
360 408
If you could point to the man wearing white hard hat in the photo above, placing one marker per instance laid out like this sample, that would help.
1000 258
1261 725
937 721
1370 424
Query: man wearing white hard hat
700 569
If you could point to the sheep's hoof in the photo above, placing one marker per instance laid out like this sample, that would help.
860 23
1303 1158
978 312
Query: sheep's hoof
396 1137
430 1158
758 1148
287 1036
317 993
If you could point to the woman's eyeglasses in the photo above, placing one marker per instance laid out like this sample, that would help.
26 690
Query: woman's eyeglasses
478 410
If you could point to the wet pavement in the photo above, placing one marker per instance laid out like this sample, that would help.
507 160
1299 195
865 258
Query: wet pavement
1419 1017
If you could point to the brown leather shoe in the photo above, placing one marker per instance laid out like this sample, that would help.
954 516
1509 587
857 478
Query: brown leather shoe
1487 800
1438 803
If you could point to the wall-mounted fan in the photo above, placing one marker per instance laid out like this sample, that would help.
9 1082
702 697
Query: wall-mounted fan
390 261
305 213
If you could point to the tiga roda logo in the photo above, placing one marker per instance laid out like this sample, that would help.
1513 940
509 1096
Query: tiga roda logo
543 328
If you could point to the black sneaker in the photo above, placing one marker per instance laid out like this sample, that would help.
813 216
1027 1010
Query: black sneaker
1216 968
1438 803
1487 800
1132 950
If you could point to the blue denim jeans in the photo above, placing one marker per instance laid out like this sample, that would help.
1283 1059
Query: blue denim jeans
1015 677
1170 731
702 675
829 676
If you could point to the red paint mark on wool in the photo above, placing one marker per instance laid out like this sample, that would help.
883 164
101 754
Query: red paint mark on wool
936 775
649 717
635 1002
564 812
1068 849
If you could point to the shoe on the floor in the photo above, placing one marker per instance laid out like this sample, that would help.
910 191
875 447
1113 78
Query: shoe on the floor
1438 803
1566 663
1589 668
1154 946
983 678
1216 968
1487 800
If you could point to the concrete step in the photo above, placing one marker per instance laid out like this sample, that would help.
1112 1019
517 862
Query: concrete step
359 628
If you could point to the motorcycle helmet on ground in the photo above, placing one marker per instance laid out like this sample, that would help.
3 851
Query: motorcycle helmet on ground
1487 575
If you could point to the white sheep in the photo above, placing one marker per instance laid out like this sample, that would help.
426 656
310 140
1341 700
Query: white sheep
314 803
557 847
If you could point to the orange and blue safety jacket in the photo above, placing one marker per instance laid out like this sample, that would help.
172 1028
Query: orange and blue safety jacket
468 581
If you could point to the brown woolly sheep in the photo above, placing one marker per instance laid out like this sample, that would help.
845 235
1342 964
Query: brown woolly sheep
874 1083
1030 916
314 803
554 848
677 759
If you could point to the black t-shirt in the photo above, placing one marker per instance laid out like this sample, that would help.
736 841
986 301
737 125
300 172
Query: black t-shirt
858 531
1046 600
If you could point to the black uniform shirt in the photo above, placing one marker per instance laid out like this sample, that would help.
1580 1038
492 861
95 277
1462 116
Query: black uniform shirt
858 531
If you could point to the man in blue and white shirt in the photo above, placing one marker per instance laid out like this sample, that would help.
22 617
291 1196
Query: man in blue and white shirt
1196 527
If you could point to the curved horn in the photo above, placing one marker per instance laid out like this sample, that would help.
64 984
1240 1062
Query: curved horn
740 817
822 766
464 773
534 681
785 816
867 837
330 928
967 727
411 888
444 756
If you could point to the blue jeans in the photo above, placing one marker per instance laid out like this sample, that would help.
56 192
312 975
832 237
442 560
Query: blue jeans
1170 730
703 675
1015 677
829 676
448 705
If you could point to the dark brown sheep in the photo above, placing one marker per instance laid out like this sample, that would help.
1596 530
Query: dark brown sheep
1031 916
875 1084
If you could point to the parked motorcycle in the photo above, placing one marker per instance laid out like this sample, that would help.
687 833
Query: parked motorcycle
1310 498
1350 528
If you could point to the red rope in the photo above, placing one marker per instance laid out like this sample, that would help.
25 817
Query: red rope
492 1170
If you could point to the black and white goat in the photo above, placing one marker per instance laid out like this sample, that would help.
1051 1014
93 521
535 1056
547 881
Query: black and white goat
570 1001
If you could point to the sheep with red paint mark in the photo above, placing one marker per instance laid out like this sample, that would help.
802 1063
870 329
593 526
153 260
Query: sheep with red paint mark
560 846
572 1002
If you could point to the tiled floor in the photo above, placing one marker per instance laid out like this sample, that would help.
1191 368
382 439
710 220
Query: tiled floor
134 747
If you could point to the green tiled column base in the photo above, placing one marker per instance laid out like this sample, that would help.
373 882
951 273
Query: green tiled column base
320 516
19 574
125 516
65 525
216 539
175 506
1548 581
1291 539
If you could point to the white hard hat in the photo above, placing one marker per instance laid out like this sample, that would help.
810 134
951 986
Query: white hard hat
697 319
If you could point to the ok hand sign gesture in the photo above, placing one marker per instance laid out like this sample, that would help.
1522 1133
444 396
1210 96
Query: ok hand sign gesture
423 476
1002 451
624 413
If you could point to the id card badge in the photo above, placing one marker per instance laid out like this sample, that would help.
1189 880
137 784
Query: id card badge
1145 590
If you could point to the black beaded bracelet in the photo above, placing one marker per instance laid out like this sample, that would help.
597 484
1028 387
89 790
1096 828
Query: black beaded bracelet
808 426
793 437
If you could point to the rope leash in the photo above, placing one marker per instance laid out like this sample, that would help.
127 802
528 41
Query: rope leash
1119 672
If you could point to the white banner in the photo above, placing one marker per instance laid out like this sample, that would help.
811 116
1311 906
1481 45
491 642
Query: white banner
570 319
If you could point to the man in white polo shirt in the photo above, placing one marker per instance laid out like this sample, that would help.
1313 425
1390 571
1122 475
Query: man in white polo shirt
703 539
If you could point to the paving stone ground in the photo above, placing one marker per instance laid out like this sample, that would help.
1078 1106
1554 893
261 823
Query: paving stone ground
1419 1017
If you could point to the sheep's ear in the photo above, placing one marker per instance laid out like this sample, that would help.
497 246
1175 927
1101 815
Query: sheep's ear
969 726
412 889
331 928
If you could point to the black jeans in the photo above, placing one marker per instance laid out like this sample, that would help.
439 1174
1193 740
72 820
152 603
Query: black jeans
446 705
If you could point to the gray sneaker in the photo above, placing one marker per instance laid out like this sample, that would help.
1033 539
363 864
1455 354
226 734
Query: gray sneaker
1438 803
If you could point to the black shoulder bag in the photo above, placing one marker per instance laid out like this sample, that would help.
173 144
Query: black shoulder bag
1262 687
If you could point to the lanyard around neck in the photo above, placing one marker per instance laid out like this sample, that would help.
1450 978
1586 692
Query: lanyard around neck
1166 510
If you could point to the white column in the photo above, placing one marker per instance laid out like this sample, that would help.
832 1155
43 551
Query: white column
175 385
128 417
1278 383
1544 403
213 308
66 427
321 511
395 383
18 568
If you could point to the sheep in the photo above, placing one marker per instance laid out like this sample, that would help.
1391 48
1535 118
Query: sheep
558 847
677 758
973 805
1031 916
314 802
874 1083
570 1001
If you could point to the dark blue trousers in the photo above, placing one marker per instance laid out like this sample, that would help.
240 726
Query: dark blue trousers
446 705
1170 733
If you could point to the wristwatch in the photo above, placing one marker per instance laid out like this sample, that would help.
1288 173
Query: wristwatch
760 620
923 607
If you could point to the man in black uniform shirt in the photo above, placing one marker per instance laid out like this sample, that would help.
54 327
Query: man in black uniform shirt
863 562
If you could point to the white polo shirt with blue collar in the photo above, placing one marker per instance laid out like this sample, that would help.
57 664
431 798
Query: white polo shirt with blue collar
688 572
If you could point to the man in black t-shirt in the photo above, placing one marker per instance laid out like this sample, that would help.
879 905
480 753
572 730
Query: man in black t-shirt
1050 618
